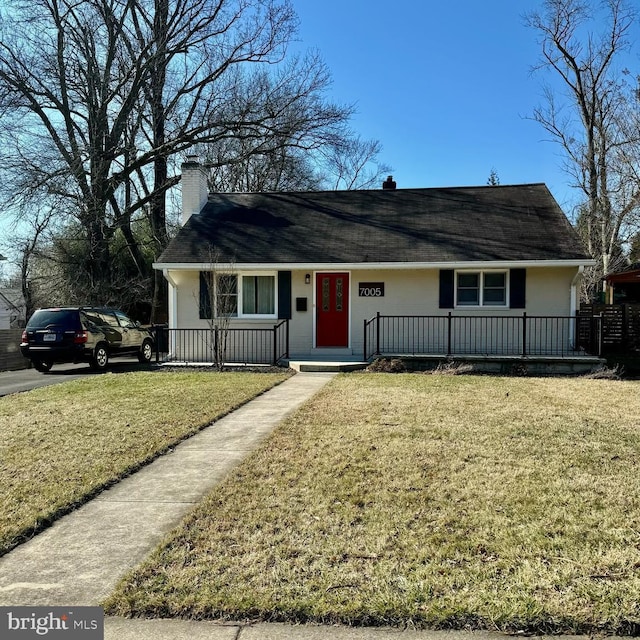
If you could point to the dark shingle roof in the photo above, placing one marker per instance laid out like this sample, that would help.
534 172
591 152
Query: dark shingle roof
497 223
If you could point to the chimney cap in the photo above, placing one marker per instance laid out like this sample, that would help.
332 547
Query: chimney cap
389 183
192 158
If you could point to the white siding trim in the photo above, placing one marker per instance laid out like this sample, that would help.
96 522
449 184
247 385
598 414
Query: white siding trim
347 266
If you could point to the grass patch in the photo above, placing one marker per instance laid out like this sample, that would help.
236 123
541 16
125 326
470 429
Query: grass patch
437 501
62 444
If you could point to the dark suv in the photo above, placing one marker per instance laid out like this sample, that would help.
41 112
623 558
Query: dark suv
83 334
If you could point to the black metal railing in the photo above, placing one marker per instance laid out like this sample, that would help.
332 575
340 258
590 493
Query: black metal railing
223 345
452 335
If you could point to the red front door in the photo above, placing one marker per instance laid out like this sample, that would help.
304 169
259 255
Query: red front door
332 310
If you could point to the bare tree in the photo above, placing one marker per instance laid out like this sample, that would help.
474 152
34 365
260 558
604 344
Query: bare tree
26 243
279 170
105 94
591 120
352 163
218 306
28 247
343 162
285 156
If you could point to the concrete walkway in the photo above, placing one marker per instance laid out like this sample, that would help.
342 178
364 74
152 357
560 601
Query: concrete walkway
80 558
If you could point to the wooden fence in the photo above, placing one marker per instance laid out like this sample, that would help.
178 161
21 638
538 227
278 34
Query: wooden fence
620 326
10 357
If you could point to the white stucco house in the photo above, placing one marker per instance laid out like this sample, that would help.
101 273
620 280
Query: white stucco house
329 262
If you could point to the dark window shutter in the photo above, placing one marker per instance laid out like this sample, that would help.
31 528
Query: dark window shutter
205 296
284 294
446 288
517 288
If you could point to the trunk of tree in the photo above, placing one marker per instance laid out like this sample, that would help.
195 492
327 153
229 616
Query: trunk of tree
27 292
98 264
158 217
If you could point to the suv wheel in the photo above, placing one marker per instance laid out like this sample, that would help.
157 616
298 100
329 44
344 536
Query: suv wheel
100 358
42 365
146 352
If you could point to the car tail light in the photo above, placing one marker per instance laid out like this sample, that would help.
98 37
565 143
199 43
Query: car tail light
80 337
24 337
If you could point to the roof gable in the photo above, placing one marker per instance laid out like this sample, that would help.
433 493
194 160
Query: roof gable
493 223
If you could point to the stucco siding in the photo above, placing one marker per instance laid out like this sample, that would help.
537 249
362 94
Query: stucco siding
549 291
406 293
186 283
301 325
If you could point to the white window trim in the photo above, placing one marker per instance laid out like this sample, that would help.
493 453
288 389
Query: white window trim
481 305
251 316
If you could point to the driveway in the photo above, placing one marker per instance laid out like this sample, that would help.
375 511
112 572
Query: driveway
27 379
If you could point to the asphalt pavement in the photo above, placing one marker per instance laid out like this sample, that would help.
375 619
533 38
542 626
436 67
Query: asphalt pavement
27 379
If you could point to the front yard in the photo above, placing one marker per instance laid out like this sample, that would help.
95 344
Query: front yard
61 445
442 501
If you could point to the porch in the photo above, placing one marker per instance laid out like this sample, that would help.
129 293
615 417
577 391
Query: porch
540 345
500 344
475 335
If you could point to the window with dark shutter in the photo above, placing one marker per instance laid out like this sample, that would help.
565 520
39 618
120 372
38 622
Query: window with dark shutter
518 288
284 295
206 284
446 288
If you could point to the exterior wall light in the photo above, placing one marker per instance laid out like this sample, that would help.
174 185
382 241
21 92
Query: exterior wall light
307 278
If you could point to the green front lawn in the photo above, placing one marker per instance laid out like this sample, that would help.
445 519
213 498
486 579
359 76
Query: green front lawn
441 501
60 445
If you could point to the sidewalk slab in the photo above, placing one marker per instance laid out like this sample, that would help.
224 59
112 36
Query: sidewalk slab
79 560
275 631
124 629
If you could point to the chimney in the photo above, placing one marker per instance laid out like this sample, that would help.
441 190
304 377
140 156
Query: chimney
195 190
389 183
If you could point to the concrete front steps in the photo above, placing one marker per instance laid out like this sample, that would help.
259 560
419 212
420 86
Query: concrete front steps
313 366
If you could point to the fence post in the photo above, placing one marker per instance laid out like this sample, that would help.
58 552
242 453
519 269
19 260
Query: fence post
287 328
524 334
275 345
595 330
449 334
364 333
600 335
377 333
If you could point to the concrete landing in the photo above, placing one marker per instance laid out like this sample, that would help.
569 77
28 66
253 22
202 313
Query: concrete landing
316 366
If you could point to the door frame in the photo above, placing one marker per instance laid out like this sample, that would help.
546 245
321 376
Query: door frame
315 301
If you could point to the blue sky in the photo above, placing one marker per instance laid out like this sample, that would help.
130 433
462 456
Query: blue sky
446 87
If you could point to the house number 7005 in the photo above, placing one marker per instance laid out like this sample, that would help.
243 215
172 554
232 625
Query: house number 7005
371 289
